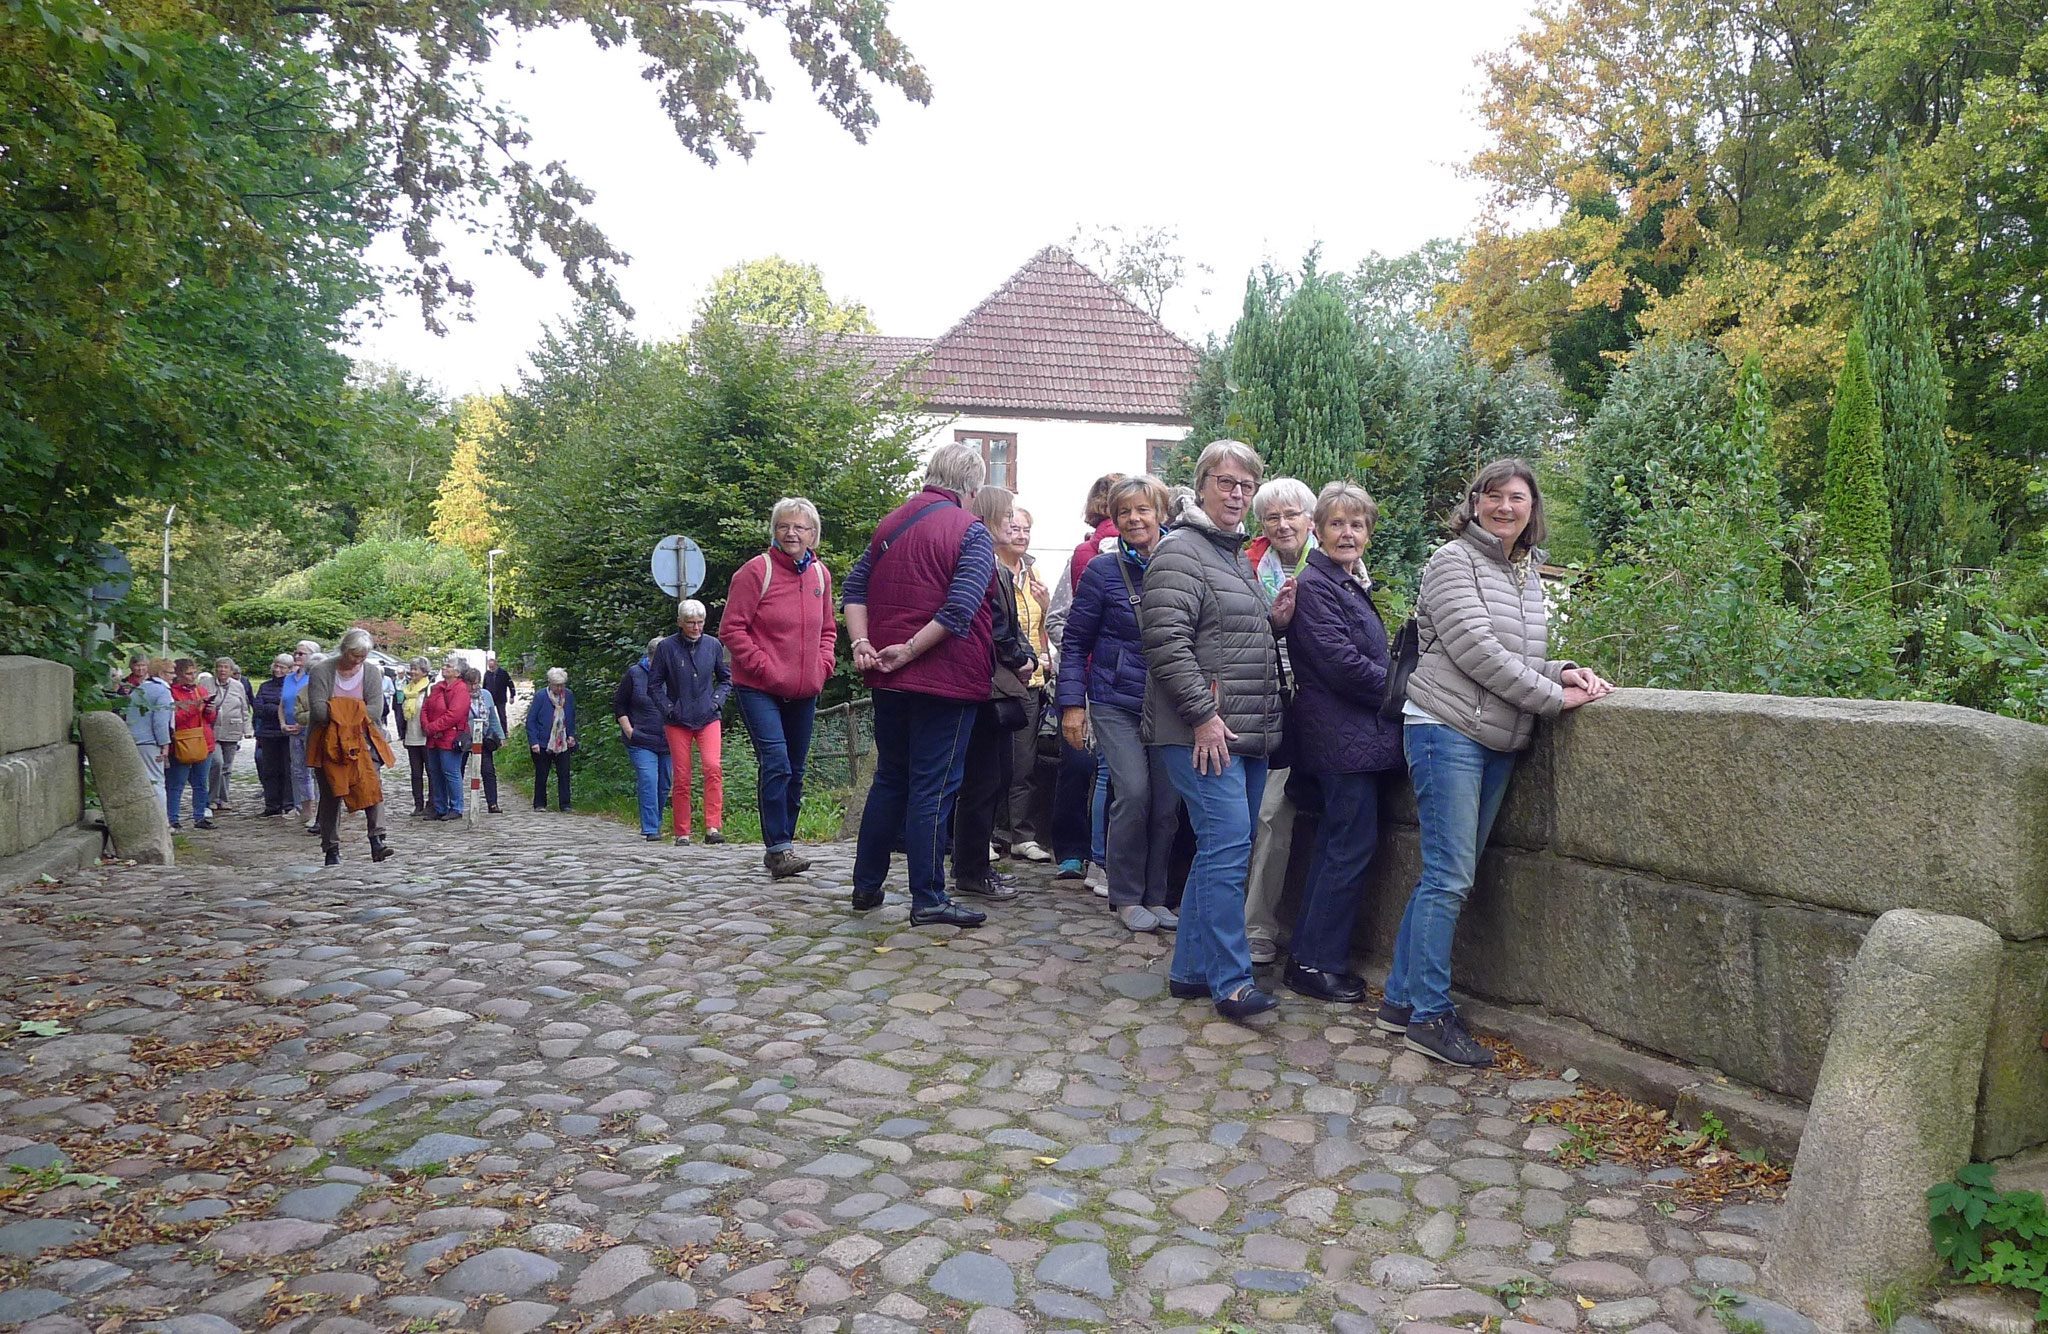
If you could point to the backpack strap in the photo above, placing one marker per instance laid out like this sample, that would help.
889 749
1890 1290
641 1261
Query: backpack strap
767 573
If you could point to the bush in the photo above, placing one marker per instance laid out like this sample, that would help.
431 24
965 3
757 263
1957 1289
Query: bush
1669 406
257 629
433 589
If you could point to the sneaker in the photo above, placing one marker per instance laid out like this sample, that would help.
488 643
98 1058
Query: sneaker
1264 950
1070 869
1392 1018
995 887
1098 880
1444 1039
1137 917
175 826
714 836
1030 852
785 863
1168 919
203 822
682 840
652 838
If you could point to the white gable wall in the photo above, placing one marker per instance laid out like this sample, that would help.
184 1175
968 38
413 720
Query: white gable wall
1057 459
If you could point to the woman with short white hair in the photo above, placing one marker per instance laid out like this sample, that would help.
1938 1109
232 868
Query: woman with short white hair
695 680
346 747
779 629
446 718
1278 554
551 736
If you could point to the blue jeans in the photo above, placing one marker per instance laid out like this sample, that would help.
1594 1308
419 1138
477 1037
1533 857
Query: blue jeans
650 784
197 776
1098 817
1224 808
1458 787
920 753
781 732
1345 839
445 768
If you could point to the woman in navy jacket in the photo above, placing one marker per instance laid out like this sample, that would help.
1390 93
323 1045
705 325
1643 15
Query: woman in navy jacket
1102 679
551 735
1338 646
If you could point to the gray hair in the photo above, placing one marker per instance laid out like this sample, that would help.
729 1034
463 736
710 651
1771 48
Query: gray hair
284 658
1282 489
354 638
307 646
689 609
795 505
420 664
454 659
229 663
958 468
471 676
1345 495
653 647
1220 452
557 677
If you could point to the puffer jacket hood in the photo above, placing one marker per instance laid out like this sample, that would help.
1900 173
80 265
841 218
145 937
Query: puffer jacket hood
1102 656
1483 632
1208 636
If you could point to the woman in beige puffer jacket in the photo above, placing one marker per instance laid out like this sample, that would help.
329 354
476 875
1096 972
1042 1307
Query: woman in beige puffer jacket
1480 683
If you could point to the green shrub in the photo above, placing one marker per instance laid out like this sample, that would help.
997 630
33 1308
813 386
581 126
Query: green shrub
433 589
1668 408
323 618
1991 1236
1855 514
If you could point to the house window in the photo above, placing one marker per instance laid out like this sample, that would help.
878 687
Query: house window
998 451
1157 452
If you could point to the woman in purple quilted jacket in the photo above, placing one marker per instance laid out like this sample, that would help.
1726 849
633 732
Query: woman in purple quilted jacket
1338 646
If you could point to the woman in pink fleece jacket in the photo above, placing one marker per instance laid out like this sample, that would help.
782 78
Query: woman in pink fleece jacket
779 629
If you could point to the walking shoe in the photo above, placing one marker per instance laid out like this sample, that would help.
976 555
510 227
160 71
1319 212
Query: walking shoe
495 810
1030 852
419 813
1098 880
949 914
652 838
1392 1018
1322 986
1070 869
1245 1004
713 836
1137 917
1187 990
995 887
863 902
334 856
175 826
378 852
312 828
1444 1039
204 822
1264 950
1168 919
682 840
785 863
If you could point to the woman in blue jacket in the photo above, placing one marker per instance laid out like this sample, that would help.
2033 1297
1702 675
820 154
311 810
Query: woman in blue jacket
1338 646
551 735
641 706
1102 680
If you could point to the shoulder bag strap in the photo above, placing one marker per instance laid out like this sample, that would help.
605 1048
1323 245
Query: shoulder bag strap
883 544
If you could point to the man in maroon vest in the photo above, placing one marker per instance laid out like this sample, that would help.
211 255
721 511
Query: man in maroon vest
917 611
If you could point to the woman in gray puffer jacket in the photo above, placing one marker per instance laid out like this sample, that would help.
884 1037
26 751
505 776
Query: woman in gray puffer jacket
1212 708
1480 683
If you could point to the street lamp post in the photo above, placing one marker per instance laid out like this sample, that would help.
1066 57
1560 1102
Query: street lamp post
169 514
491 614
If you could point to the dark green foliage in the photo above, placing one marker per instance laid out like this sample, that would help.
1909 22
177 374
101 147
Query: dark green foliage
1751 460
1253 382
433 589
1667 408
254 630
1321 426
1855 513
1912 400
1991 1236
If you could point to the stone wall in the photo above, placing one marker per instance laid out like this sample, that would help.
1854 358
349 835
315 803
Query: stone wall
1693 873
41 792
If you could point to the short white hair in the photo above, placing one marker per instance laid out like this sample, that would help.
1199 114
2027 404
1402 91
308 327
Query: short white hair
654 646
689 609
957 468
1219 452
557 677
795 505
307 646
1281 489
354 638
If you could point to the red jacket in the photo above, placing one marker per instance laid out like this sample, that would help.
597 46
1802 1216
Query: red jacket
446 715
780 639
192 709
1088 551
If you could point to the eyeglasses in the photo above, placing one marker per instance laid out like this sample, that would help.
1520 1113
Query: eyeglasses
1238 486
1286 516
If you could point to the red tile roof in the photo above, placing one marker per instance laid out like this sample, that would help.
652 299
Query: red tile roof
1056 338
880 355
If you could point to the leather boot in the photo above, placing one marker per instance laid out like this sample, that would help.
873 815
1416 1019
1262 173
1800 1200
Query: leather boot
378 852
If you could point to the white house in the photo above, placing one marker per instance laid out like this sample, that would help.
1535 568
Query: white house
1057 378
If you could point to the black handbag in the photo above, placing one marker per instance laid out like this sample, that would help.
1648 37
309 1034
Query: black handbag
1010 713
1402 657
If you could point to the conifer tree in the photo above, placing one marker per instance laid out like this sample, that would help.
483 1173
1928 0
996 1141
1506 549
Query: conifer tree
1855 511
1321 426
1751 460
1254 364
1912 400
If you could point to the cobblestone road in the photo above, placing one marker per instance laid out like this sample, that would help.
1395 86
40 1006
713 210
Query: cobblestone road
542 1073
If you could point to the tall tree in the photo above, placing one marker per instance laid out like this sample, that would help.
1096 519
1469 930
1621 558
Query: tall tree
1665 418
1912 401
1146 264
1253 379
783 293
463 514
1321 428
1856 514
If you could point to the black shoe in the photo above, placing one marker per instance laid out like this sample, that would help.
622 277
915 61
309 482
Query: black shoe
1392 1018
496 810
1187 990
1245 1004
1444 1039
652 838
378 852
995 887
1322 986
203 823
421 814
710 835
949 914
334 856
864 902
540 805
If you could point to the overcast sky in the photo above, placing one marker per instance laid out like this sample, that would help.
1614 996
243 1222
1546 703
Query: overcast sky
1255 131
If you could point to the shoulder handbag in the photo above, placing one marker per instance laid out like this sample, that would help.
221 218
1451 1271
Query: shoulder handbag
188 745
1401 660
